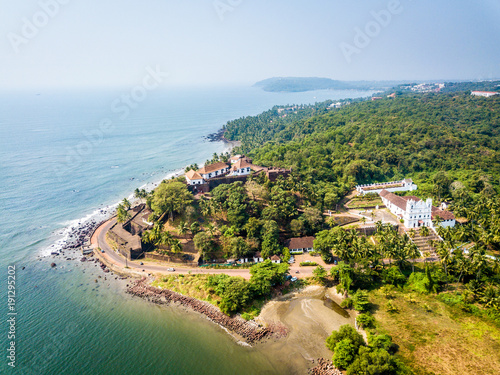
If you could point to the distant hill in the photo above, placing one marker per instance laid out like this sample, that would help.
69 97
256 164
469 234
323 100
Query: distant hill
300 84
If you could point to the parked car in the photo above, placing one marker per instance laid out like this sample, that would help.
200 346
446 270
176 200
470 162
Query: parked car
170 269
293 279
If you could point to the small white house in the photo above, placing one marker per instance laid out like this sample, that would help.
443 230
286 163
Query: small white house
194 178
241 168
276 259
257 258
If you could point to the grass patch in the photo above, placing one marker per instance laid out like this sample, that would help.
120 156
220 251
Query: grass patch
433 335
188 285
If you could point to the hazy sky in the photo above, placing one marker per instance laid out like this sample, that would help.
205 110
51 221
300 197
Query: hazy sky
112 42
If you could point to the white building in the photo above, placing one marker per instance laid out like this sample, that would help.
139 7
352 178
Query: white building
257 258
485 94
300 244
404 185
194 178
242 166
275 259
214 170
415 212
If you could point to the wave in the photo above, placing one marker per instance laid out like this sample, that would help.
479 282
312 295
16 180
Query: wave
71 232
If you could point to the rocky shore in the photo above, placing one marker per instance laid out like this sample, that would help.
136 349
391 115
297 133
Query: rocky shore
324 367
249 331
216 137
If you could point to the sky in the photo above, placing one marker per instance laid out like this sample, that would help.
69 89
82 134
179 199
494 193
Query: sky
111 43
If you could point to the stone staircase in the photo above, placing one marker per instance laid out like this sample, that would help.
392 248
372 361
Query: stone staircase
423 243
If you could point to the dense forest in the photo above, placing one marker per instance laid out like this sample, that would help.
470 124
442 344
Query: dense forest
412 135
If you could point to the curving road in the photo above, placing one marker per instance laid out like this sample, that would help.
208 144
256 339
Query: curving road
99 240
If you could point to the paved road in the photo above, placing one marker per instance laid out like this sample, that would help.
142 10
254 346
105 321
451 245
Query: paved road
99 240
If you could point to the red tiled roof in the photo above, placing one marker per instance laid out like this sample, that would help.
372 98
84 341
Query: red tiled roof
395 199
213 167
275 257
443 214
300 243
193 175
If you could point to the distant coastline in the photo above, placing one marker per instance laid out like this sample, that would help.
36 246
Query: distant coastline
302 84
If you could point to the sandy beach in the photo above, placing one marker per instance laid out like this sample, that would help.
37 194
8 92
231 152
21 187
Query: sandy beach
310 319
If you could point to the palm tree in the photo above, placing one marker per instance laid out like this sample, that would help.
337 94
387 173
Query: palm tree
183 228
126 204
363 221
479 261
211 229
413 253
424 232
444 252
122 215
176 246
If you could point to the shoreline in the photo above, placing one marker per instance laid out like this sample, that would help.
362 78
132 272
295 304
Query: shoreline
80 231
248 331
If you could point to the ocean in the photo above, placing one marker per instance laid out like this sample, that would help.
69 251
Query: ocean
70 157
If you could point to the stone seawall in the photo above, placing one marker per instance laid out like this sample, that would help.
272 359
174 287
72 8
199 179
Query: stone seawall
249 331
117 269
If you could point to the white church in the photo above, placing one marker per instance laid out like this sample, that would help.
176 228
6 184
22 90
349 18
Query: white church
415 212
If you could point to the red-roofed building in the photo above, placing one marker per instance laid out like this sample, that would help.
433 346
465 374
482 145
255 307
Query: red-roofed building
416 212
485 94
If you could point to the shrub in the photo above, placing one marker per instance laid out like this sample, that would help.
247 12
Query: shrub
391 307
346 303
344 354
308 263
382 342
393 276
365 320
373 362
345 332
360 300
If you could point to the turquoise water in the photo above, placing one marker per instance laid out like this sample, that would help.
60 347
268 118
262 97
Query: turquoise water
64 158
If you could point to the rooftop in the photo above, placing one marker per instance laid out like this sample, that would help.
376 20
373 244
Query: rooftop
193 175
445 215
396 199
300 242
213 167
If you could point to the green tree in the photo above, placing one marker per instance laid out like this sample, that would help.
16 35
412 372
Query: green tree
344 354
373 362
320 274
169 197
126 204
204 244
266 274
270 239
122 215
361 301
